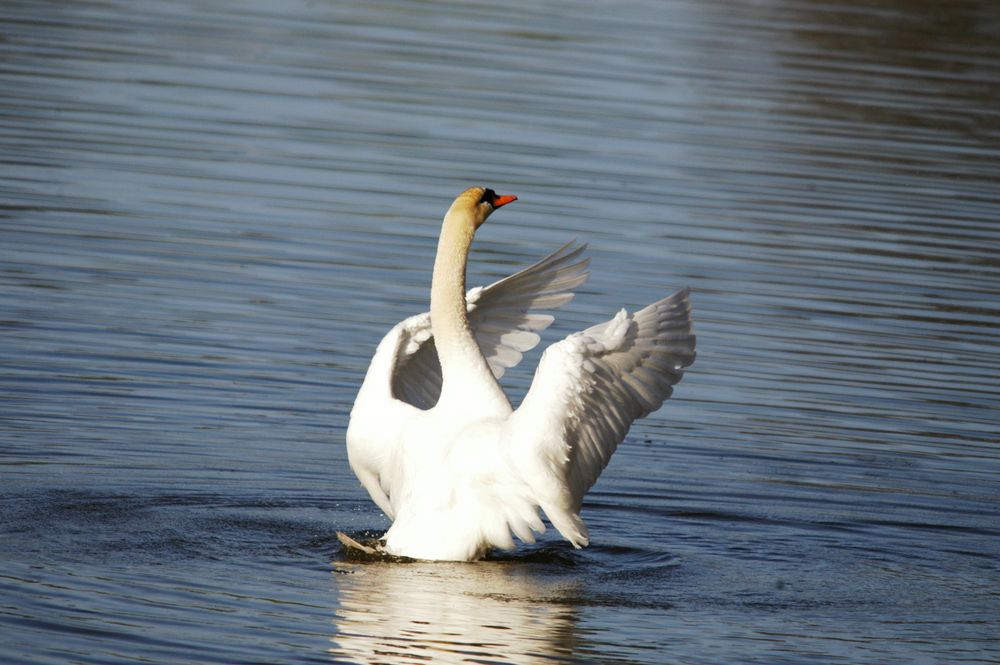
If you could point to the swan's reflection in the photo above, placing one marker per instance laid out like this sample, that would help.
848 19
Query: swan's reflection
496 611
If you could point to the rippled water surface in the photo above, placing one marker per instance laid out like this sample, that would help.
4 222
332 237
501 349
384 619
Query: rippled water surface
211 211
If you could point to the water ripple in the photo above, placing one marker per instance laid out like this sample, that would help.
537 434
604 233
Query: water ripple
209 212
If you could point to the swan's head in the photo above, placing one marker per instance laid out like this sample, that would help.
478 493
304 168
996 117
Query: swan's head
477 203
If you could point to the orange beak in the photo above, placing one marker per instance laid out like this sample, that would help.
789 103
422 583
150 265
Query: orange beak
503 200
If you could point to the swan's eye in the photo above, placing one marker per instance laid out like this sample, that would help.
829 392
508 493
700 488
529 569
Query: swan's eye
489 196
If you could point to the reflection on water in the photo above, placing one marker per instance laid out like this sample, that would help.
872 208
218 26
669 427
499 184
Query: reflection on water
211 211
503 612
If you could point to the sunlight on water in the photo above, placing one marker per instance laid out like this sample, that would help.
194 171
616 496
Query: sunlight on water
451 613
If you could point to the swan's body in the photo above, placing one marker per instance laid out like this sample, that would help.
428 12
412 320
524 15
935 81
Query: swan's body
433 437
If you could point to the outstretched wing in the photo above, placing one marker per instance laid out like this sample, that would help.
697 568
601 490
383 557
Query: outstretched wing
586 393
505 317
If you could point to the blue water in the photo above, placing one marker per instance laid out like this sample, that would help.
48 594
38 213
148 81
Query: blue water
210 213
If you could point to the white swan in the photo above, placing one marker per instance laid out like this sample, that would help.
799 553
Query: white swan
433 437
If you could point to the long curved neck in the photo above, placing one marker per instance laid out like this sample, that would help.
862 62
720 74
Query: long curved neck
464 371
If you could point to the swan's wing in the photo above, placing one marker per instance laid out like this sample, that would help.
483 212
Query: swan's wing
505 318
416 376
586 393
379 417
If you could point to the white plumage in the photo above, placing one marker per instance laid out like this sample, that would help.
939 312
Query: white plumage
435 441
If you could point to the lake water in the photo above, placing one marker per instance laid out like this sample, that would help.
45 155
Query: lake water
212 211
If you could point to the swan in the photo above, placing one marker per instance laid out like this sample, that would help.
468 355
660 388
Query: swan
436 443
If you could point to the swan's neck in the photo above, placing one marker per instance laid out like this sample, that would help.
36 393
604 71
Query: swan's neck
464 371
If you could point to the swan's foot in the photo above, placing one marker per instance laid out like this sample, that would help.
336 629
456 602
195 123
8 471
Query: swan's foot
352 544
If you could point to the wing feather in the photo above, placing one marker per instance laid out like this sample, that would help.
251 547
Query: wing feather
505 320
587 392
377 419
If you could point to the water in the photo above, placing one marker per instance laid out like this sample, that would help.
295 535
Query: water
212 211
